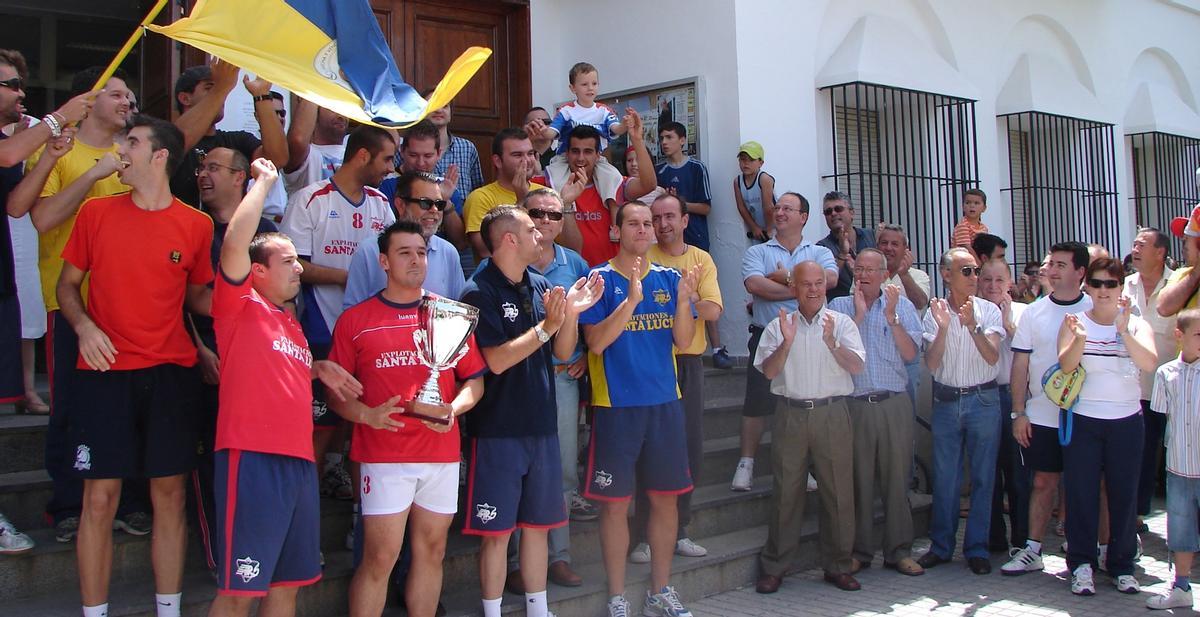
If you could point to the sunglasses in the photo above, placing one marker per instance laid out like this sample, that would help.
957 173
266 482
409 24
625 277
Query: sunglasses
970 270
1105 283
13 83
539 214
426 203
838 209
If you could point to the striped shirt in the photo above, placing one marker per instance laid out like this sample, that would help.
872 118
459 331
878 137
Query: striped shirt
964 232
810 370
462 153
1177 394
885 370
962 365
1111 390
1145 304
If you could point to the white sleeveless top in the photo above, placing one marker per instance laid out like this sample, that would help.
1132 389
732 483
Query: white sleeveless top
752 197
1112 389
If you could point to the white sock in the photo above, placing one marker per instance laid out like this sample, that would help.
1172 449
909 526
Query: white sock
168 604
535 604
100 610
749 460
491 608
1034 546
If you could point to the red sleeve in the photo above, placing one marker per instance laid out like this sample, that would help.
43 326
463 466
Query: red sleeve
342 350
472 365
229 298
78 251
202 273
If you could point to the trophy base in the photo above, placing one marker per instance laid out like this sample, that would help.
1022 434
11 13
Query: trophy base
438 414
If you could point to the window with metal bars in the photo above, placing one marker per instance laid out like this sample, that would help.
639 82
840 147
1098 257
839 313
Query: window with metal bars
1163 180
1061 183
904 157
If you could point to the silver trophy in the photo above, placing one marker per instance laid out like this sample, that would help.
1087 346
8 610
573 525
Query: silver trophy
441 340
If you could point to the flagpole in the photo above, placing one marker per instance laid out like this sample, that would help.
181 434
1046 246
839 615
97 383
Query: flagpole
133 39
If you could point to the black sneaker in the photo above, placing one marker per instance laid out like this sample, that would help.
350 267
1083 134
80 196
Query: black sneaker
66 529
134 523
582 509
721 359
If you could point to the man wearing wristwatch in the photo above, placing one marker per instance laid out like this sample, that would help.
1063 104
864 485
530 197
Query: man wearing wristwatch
962 334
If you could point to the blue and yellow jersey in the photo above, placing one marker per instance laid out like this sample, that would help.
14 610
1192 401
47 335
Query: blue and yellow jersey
639 367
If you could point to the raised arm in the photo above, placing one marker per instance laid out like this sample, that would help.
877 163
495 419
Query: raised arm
235 252
53 210
645 181
196 122
299 133
274 143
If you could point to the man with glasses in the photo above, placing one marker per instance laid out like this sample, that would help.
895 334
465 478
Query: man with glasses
844 239
882 413
963 334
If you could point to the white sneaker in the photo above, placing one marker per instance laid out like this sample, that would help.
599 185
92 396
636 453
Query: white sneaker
686 548
743 476
1021 560
664 604
1082 583
1127 584
640 554
11 540
1176 598
812 483
618 607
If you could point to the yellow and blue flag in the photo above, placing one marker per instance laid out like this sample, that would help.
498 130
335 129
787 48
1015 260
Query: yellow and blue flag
330 52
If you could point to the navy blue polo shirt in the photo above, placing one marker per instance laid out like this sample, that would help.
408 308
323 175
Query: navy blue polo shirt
520 401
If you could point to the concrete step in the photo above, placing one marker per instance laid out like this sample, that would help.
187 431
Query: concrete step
23 442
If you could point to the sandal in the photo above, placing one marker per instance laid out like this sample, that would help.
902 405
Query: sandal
33 408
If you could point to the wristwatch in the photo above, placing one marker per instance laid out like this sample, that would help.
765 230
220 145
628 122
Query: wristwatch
978 329
542 335
1016 414
262 97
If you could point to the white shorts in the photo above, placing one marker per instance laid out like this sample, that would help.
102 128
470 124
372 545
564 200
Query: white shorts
391 488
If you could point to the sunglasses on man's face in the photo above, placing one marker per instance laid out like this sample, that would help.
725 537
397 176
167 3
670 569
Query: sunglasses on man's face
426 203
13 83
538 214
1105 283
838 209
970 270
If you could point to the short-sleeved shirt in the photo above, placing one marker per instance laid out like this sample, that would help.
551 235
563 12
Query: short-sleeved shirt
962 365
204 323
365 277
690 181
1178 277
1145 305
518 402
461 152
183 182
964 232
374 341
571 115
638 368
320 164
266 374
1004 366
136 296
1037 335
67 170
810 371
1111 390
863 238
326 228
1177 394
763 259
709 289
918 276
594 221
885 370
485 198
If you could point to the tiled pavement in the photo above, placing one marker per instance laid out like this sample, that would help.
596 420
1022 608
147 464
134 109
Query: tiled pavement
951 589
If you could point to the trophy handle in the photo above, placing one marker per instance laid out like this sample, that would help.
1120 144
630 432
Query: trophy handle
461 352
422 345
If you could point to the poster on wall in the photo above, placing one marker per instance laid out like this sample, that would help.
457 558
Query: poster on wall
239 110
659 104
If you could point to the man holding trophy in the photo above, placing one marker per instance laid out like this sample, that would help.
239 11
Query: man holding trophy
516 473
415 356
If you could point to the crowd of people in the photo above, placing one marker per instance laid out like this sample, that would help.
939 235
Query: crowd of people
238 321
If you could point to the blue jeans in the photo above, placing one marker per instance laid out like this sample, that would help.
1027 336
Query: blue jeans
968 425
1183 513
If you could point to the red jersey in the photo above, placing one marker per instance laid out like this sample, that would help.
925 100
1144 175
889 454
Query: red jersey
373 340
594 221
266 374
140 263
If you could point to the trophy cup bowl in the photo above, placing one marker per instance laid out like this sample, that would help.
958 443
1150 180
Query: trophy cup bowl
443 327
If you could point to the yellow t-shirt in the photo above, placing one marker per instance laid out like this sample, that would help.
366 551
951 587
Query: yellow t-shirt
709 290
1179 275
483 199
51 243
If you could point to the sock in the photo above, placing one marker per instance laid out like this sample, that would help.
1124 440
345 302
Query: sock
491 608
748 460
1103 552
1183 582
168 604
1034 546
535 604
618 597
100 610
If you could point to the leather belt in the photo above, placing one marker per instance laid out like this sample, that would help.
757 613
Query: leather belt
876 397
811 403
950 393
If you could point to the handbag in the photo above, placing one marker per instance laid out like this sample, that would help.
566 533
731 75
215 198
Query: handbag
1062 389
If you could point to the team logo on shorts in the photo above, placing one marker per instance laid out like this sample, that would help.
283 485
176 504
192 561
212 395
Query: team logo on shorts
176 256
602 480
510 311
486 513
662 296
83 458
247 569
319 409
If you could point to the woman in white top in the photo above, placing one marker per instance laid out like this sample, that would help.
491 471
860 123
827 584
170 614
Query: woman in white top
1112 346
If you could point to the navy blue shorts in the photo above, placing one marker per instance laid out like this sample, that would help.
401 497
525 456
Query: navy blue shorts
268 530
324 418
638 446
514 482
12 383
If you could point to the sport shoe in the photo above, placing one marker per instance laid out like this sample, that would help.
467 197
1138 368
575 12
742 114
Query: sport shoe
582 509
721 359
664 604
11 540
1176 598
134 523
1081 581
66 529
1021 560
640 554
743 476
618 607
686 548
812 483
336 483
1125 583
